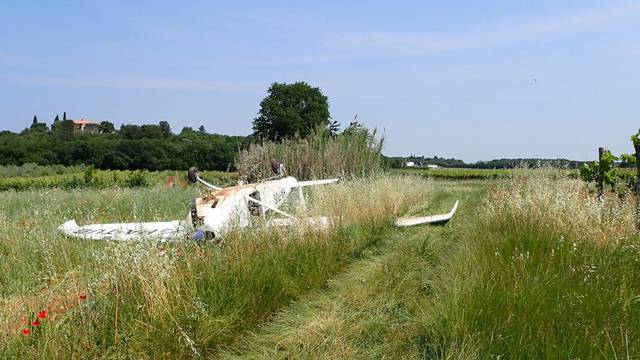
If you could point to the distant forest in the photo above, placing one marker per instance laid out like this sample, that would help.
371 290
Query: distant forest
156 147
421 161
152 147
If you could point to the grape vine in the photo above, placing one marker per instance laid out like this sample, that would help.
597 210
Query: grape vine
606 172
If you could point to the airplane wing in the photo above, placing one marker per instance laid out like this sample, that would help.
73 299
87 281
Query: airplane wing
161 231
431 219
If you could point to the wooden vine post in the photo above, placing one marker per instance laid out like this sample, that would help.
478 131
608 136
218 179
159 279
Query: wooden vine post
636 144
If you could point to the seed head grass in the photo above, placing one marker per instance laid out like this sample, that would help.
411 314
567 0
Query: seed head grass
546 271
170 300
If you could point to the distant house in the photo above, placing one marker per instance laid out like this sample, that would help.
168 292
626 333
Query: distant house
431 166
85 126
410 164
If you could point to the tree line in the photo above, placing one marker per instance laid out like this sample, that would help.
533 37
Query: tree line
422 161
132 147
288 110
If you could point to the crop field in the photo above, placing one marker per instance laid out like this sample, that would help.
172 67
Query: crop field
531 264
471 174
457 173
81 177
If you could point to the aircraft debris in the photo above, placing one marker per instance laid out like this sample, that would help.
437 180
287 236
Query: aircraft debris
222 209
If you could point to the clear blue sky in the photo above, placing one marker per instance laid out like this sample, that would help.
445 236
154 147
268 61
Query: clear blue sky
470 79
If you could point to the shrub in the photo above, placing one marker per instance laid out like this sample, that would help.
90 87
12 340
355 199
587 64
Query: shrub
136 179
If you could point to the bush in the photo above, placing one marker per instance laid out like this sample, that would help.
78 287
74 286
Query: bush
136 179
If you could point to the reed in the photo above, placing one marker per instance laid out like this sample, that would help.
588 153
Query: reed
352 153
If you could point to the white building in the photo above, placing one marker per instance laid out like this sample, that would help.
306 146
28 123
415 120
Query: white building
85 126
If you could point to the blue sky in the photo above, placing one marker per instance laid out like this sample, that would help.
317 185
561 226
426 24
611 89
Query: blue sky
475 80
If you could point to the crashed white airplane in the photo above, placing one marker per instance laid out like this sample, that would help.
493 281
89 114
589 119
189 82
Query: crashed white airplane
222 209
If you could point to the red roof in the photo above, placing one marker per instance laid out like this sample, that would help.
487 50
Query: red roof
84 122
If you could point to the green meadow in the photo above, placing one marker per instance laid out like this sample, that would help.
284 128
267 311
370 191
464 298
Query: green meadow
531 266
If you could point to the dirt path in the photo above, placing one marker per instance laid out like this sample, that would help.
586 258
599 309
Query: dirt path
376 307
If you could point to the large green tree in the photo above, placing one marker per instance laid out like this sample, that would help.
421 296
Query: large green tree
166 128
107 127
291 109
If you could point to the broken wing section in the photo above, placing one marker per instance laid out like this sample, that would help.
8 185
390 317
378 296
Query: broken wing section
431 219
161 231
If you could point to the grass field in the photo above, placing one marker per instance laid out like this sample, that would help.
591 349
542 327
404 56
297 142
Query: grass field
532 266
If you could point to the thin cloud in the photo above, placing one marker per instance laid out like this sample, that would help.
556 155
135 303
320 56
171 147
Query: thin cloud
144 83
395 43
344 47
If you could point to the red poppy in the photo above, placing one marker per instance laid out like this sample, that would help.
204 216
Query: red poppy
36 323
82 296
26 332
43 314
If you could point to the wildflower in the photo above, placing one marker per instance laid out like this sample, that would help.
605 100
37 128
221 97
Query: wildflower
82 296
43 314
26 332
36 323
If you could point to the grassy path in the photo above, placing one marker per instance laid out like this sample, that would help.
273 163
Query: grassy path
376 308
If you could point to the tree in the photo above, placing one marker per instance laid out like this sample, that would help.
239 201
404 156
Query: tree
202 130
291 109
55 123
64 116
166 128
151 131
107 127
186 130
67 130
130 132
38 126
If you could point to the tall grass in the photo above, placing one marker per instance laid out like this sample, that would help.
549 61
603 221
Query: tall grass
182 300
374 309
353 153
547 272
